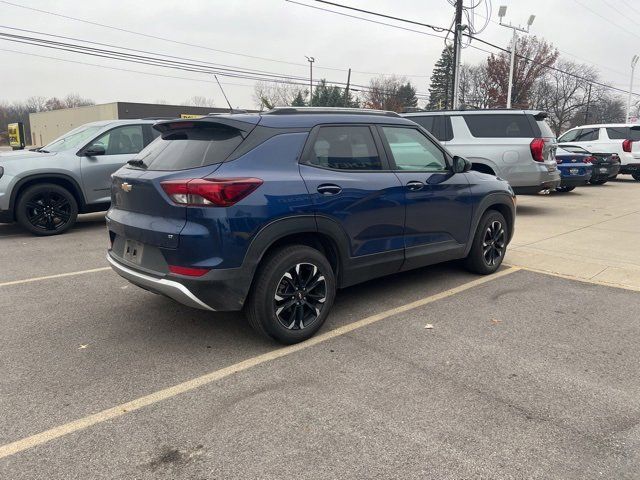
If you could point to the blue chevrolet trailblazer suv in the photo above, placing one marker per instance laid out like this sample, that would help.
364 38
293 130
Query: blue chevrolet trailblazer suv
273 212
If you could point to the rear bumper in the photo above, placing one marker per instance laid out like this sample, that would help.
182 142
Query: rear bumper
169 288
575 181
549 185
630 168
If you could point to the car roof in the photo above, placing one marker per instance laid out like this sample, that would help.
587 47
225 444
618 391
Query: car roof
104 123
605 125
300 118
499 111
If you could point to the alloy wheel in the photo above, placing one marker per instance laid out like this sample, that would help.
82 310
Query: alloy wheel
49 211
300 296
493 243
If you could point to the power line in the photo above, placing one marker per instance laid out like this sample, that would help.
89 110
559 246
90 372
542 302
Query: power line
195 45
494 46
162 62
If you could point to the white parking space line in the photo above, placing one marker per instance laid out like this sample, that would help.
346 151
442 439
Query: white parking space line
48 277
166 393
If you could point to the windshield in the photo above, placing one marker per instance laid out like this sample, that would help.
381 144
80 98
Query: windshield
74 138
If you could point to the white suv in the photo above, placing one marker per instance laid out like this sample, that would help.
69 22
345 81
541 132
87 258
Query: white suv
609 138
515 145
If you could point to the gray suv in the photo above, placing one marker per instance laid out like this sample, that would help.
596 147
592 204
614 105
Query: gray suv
45 189
516 145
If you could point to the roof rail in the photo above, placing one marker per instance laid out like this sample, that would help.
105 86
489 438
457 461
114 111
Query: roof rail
328 110
159 118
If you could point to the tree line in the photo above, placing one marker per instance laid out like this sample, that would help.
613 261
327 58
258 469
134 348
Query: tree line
570 92
19 111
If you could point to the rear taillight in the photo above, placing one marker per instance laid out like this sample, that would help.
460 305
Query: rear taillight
210 192
589 159
188 271
537 149
626 145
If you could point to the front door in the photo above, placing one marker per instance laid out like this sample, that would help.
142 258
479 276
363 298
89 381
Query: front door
353 190
120 145
438 203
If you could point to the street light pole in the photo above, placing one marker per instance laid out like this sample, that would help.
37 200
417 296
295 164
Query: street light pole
310 60
502 11
634 61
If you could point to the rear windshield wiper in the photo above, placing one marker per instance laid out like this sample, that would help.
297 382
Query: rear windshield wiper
137 163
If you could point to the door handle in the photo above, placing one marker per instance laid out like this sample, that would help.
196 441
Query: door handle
329 189
415 185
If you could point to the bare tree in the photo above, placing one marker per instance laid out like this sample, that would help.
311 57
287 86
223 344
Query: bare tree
36 103
474 86
199 101
564 92
275 94
390 93
74 100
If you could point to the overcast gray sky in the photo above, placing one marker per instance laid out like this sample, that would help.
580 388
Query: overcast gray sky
603 32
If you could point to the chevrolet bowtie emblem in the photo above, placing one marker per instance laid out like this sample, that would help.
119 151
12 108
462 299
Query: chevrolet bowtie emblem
126 187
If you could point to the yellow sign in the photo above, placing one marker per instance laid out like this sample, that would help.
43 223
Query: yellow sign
16 135
189 115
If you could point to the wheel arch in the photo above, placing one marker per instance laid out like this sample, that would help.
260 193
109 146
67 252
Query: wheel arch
502 203
57 179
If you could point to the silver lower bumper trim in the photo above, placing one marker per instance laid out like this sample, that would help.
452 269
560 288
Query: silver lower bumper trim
169 288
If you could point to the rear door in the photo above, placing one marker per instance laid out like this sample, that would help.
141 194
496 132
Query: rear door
353 190
120 144
438 206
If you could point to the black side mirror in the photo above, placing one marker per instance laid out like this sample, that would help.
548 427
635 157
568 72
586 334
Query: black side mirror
461 165
94 151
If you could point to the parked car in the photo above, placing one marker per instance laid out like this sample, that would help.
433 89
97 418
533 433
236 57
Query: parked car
575 169
273 212
44 189
516 145
606 166
618 138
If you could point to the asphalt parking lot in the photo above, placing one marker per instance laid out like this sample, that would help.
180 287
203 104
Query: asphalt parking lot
523 374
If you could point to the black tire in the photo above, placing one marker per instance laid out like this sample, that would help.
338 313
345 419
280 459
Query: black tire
46 209
636 176
599 181
280 294
564 189
493 227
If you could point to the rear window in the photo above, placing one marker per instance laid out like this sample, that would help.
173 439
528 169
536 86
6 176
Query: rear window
499 126
545 129
190 148
623 133
437 125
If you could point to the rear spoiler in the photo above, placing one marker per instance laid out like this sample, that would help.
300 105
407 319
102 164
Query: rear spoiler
635 128
205 122
540 115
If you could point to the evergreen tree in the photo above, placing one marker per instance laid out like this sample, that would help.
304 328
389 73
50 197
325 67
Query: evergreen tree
407 96
332 96
441 88
299 100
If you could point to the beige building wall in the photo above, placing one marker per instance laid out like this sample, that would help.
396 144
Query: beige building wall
47 126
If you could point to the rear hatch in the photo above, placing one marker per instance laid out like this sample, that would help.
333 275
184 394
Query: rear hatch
141 209
549 138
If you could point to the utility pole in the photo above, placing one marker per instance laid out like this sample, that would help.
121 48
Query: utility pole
586 112
346 90
502 11
310 60
457 46
634 61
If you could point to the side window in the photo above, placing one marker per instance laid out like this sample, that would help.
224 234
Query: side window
437 125
447 129
587 135
411 150
499 126
426 123
122 140
623 133
345 148
570 136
